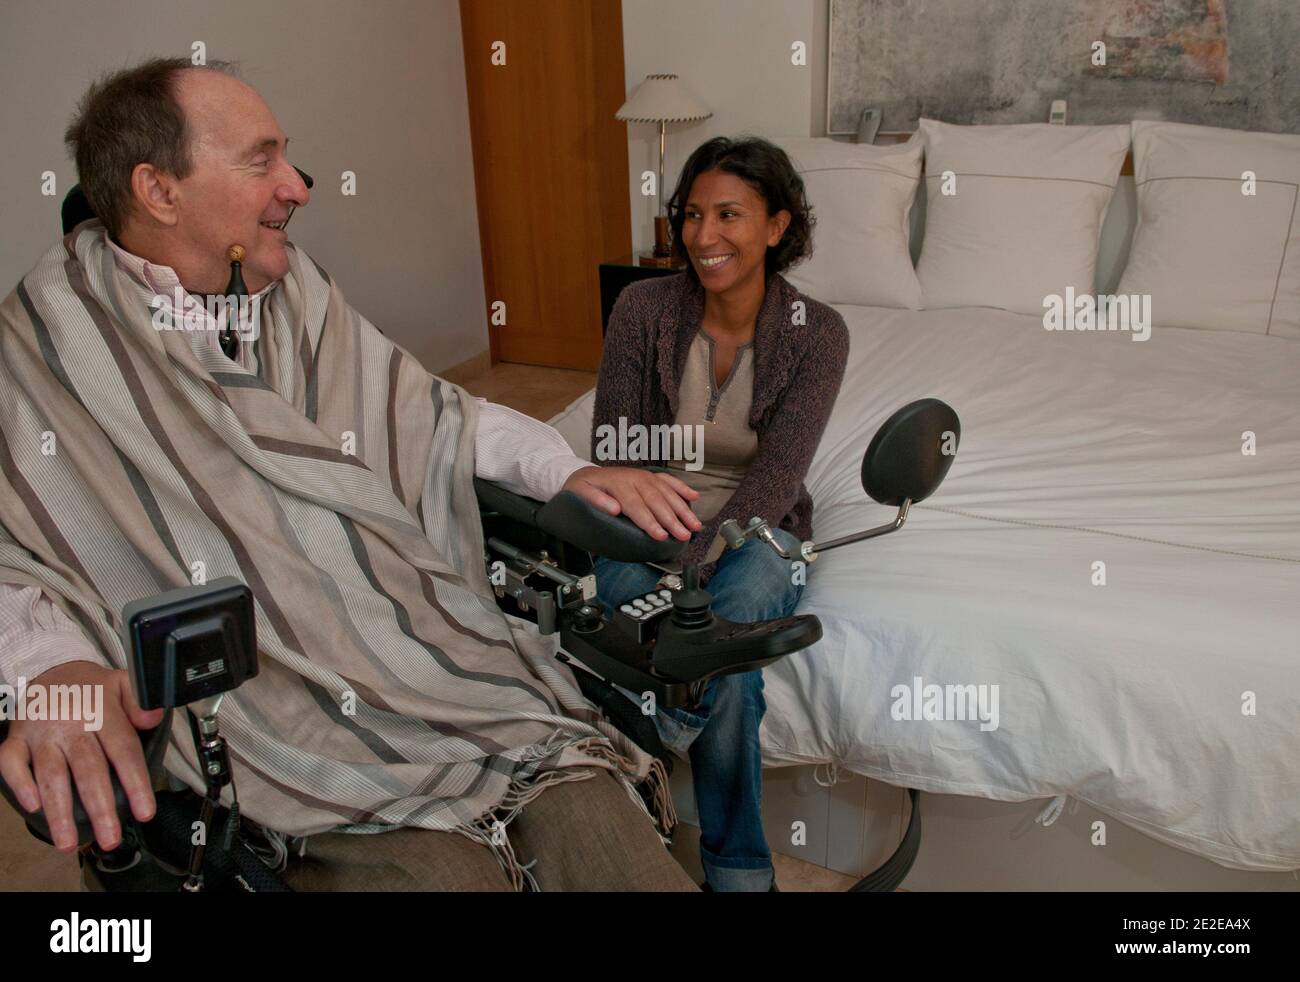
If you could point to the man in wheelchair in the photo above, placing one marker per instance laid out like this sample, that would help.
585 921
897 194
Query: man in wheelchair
379 522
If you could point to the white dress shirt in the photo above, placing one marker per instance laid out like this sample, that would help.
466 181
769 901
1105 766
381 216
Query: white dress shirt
519 452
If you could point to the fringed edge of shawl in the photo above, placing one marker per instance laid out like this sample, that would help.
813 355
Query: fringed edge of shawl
490 829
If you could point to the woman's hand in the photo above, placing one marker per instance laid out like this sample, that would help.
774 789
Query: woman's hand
657 502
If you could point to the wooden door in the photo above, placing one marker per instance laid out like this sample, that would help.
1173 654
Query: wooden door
550 169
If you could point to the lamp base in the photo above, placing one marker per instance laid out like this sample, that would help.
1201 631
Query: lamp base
663 262
662 255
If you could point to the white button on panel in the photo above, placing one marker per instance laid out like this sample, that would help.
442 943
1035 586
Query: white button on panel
666 594
627 609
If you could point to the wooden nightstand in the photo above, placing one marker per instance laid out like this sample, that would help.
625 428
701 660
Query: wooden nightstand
618 273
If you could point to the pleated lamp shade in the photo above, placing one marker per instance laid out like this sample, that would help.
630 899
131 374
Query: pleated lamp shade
663 99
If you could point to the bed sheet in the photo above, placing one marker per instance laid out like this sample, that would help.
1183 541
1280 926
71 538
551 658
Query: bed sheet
1169 697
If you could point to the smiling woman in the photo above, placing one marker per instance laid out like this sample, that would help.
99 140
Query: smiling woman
743 179
730 349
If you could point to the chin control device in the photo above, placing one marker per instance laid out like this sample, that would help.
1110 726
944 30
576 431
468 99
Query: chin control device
189 647
228 338
191 644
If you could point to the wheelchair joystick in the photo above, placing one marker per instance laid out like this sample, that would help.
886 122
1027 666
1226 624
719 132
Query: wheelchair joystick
691 605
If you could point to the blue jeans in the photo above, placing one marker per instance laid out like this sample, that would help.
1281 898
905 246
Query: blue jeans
720 735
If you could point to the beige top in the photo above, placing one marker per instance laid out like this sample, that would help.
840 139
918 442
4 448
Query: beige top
727 443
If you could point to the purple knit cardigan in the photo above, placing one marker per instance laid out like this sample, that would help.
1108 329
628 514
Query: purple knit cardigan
798 368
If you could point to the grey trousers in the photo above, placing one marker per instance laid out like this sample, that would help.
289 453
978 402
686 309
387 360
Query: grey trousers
584 835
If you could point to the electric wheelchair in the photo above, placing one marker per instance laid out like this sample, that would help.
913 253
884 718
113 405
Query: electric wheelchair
539 561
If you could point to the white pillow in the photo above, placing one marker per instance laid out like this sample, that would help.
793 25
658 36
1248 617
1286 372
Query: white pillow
1209 255
860 195
1024 214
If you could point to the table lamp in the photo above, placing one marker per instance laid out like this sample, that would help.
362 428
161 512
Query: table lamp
662 99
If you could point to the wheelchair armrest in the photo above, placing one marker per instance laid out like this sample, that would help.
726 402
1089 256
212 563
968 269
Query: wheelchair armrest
571 518
155 747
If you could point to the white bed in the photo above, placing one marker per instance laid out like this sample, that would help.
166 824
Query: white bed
1076 448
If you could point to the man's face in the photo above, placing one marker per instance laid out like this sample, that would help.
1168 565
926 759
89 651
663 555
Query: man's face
241 183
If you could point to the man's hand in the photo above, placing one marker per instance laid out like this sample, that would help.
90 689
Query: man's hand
52 748
656 501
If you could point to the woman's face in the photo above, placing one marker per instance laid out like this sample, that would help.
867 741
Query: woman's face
727 231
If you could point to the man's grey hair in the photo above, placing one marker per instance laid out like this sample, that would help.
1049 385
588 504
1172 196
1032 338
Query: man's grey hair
131 117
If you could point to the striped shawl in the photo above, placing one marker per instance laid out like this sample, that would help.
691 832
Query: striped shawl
336 481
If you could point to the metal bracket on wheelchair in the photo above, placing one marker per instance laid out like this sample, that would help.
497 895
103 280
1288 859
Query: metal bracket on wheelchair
668 643
735 536
567 592
567 603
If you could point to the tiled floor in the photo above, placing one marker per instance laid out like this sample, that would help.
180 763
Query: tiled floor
538 392
792 875
26 864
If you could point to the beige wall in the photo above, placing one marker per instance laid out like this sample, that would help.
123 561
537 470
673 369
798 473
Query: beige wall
377 88
735 54
736 57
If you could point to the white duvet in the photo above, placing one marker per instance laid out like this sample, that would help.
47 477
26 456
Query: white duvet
1169 697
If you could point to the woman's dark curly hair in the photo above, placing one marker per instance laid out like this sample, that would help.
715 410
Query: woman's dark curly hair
764 167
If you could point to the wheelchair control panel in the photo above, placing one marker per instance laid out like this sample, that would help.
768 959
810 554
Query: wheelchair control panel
639 617
667 642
